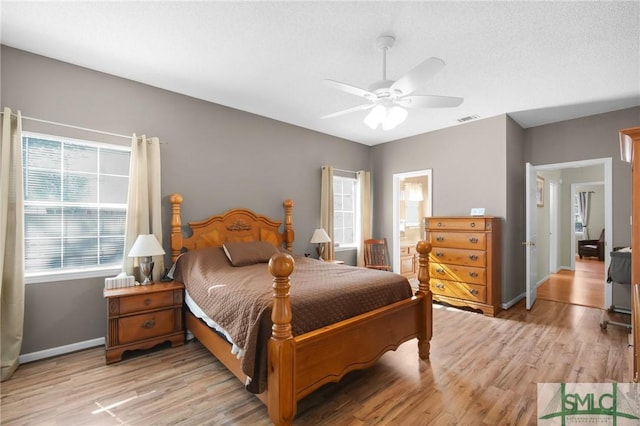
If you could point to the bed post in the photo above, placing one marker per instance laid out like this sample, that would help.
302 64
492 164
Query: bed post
289 234
281 391
424 248
176 225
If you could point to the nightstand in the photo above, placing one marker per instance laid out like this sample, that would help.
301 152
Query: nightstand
141 317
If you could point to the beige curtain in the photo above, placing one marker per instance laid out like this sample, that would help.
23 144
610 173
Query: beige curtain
144 205
11 242
326 210
364 210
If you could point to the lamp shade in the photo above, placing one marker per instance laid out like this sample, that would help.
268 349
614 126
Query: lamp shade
146 245
320 236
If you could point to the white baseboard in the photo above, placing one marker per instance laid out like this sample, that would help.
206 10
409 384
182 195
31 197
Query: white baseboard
513 301
60 350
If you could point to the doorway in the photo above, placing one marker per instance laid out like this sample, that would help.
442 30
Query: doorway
537 232
412 201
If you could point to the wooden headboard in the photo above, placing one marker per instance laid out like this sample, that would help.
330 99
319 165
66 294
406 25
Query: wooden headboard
234 225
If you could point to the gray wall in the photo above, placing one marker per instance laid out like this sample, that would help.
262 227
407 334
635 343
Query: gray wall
220 158
585 139
216 157
477 164
513 226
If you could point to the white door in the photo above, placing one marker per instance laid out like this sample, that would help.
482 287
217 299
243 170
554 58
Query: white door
530 236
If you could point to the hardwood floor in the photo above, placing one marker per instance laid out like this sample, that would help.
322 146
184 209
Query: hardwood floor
584 286
482 371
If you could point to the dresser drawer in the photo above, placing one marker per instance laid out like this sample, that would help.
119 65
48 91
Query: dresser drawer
465 274
477 258
146 326
143 302
457 223
475 293
464 240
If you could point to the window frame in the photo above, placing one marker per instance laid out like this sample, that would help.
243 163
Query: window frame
356 215
70 273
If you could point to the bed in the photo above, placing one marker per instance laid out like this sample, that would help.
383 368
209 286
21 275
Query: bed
293 368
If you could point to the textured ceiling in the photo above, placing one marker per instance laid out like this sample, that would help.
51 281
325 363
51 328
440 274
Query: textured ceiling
540 62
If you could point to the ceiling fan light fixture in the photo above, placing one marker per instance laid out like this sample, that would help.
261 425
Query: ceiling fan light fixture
389 118
375 117
395 116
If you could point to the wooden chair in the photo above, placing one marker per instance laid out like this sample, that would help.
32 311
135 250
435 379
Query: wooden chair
592 248
375 254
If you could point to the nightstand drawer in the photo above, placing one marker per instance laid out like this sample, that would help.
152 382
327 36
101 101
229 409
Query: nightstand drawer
145 326
143 302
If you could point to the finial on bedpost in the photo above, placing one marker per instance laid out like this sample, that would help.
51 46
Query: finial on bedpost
176 225
424 248
289 234
281 346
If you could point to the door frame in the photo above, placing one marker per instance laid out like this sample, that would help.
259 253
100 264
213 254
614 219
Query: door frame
531 214
397 177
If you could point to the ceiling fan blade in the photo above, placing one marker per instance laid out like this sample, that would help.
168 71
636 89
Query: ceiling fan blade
350 89
417 77
429 101
348 111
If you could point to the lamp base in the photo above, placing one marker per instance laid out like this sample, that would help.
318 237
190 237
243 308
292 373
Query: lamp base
320 251
146 270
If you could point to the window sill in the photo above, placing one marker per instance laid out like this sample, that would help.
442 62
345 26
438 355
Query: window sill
71 275
345 248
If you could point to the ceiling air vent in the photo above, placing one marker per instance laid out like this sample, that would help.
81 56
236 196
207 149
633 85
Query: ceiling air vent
468 118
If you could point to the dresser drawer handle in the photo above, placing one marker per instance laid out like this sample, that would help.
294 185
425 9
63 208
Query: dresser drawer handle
473 292
439 254
440 286
440 239
473 240
147 301
440 270
149 324
473 257
473 224
439 224
473 274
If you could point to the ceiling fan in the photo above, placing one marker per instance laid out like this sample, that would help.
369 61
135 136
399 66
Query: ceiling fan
388 99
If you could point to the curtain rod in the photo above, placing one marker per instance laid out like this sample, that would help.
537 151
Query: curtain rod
86 129
342 170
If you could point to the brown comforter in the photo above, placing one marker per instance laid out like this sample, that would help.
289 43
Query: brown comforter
240 298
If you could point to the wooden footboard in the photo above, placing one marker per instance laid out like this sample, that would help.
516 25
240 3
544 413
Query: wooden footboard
298 366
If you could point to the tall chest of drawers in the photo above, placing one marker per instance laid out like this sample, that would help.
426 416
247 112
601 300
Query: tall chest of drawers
464 264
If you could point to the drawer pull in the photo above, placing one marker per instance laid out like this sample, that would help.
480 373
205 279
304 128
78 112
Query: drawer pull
473 224
473 240
473 274
147 301
440 286
440 239
439 254
473 257
149 324
440 270
439 224
473 291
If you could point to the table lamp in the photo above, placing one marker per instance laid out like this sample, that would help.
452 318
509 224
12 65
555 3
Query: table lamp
320 237
146 245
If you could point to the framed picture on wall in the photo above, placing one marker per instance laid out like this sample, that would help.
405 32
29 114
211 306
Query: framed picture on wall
540 191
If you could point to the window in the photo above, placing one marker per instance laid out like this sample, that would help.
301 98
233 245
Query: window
578 220
344 211
75 204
